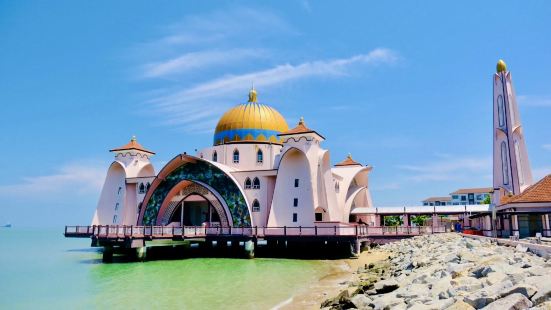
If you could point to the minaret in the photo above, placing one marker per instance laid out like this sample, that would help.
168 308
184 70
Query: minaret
512 173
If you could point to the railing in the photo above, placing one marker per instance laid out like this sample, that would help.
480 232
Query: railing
169 232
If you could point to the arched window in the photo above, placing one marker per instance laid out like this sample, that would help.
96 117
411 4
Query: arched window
142 188
256 206
256 183
337 186
147 186
259 157
504 163
248 183
500 111
519 163
115 219
116 206
236 157
214 156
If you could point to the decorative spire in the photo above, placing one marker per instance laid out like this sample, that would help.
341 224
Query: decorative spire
133 139
252 95
301 121
501 66
349 156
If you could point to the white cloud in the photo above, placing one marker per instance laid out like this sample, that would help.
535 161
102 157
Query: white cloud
202 59
187 106
546 147
386 187
451 168
534 101
69 180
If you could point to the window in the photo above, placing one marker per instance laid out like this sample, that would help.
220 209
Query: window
425 203
455 197
256 206
319 217
463 198
295 217
519 163
142 188
119 191
236 157
214 156
116 206
295 202
259 157
296 182
115 219
248 183
147 186
504 163
500 111
337 187
256 183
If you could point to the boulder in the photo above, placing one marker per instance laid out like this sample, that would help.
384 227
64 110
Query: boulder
514 301
361 301
341 301
487 295
466 284
457 270
543 294
521 249
543 306
387 302
386 286
460 305
524 289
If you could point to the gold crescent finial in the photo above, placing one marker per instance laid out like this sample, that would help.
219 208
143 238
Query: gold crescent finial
501 66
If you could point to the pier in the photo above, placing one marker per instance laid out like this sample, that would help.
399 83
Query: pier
351 237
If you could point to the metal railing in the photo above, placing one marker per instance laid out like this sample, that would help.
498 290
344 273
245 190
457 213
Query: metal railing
169 232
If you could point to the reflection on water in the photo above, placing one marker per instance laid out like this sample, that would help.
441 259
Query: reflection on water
47 270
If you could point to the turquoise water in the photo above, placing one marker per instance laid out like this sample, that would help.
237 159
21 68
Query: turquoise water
42 269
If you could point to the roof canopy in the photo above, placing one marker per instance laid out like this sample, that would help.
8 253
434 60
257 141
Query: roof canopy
132 145
539 192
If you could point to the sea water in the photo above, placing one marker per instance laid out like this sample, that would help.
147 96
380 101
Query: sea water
39 268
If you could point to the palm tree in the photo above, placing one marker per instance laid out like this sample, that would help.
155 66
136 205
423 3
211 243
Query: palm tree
393 220
419 220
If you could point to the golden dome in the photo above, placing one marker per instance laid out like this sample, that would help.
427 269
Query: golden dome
501 66
250 122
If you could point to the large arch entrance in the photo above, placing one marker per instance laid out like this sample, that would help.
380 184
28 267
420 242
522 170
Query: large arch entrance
218 188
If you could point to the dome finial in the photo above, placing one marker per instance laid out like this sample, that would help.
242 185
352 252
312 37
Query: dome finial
133 138
301 121
349 156
501 66
252 94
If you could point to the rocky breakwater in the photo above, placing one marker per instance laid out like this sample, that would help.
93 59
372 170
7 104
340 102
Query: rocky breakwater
448 271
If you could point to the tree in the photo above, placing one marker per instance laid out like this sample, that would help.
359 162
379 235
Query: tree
419 220
487 200
393 220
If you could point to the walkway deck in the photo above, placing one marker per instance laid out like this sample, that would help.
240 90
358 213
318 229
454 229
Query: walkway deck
190 232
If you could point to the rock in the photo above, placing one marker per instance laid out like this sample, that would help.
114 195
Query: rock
466 284
524 289
386 286
543 306
460 305
497 277
521 249
361 301
342 301
482 271
543 294
457 270
537 271
514 301
487 295
387 302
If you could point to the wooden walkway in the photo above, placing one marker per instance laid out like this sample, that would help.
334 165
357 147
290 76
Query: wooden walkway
189 232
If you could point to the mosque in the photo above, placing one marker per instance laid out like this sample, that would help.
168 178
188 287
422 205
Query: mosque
257 173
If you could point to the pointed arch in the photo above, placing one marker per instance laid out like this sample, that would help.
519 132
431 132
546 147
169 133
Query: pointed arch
248 183
236 156
214 156
259 157
256 206
141 188
256 183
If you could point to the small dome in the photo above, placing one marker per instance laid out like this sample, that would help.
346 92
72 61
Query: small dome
250 122
501 66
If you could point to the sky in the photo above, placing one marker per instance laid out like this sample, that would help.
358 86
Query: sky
405 87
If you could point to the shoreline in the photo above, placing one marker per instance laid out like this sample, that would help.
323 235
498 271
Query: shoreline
342 274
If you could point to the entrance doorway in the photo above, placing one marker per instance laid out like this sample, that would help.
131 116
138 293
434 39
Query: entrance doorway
195 210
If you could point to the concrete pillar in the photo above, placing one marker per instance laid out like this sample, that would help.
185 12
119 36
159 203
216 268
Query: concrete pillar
405 220
249 248
514 221
107 254
141 253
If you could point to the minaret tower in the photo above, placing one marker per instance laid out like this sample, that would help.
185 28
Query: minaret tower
512 173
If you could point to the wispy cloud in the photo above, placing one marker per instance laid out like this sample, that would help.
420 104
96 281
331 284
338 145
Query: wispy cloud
546 147
187 106
70 179
534 101
199 60
450 168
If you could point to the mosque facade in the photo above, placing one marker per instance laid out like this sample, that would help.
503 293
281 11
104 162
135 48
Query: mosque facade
257 173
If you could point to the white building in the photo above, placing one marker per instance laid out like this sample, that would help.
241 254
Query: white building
257 173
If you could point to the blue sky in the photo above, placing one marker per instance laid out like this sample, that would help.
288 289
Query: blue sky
402 86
